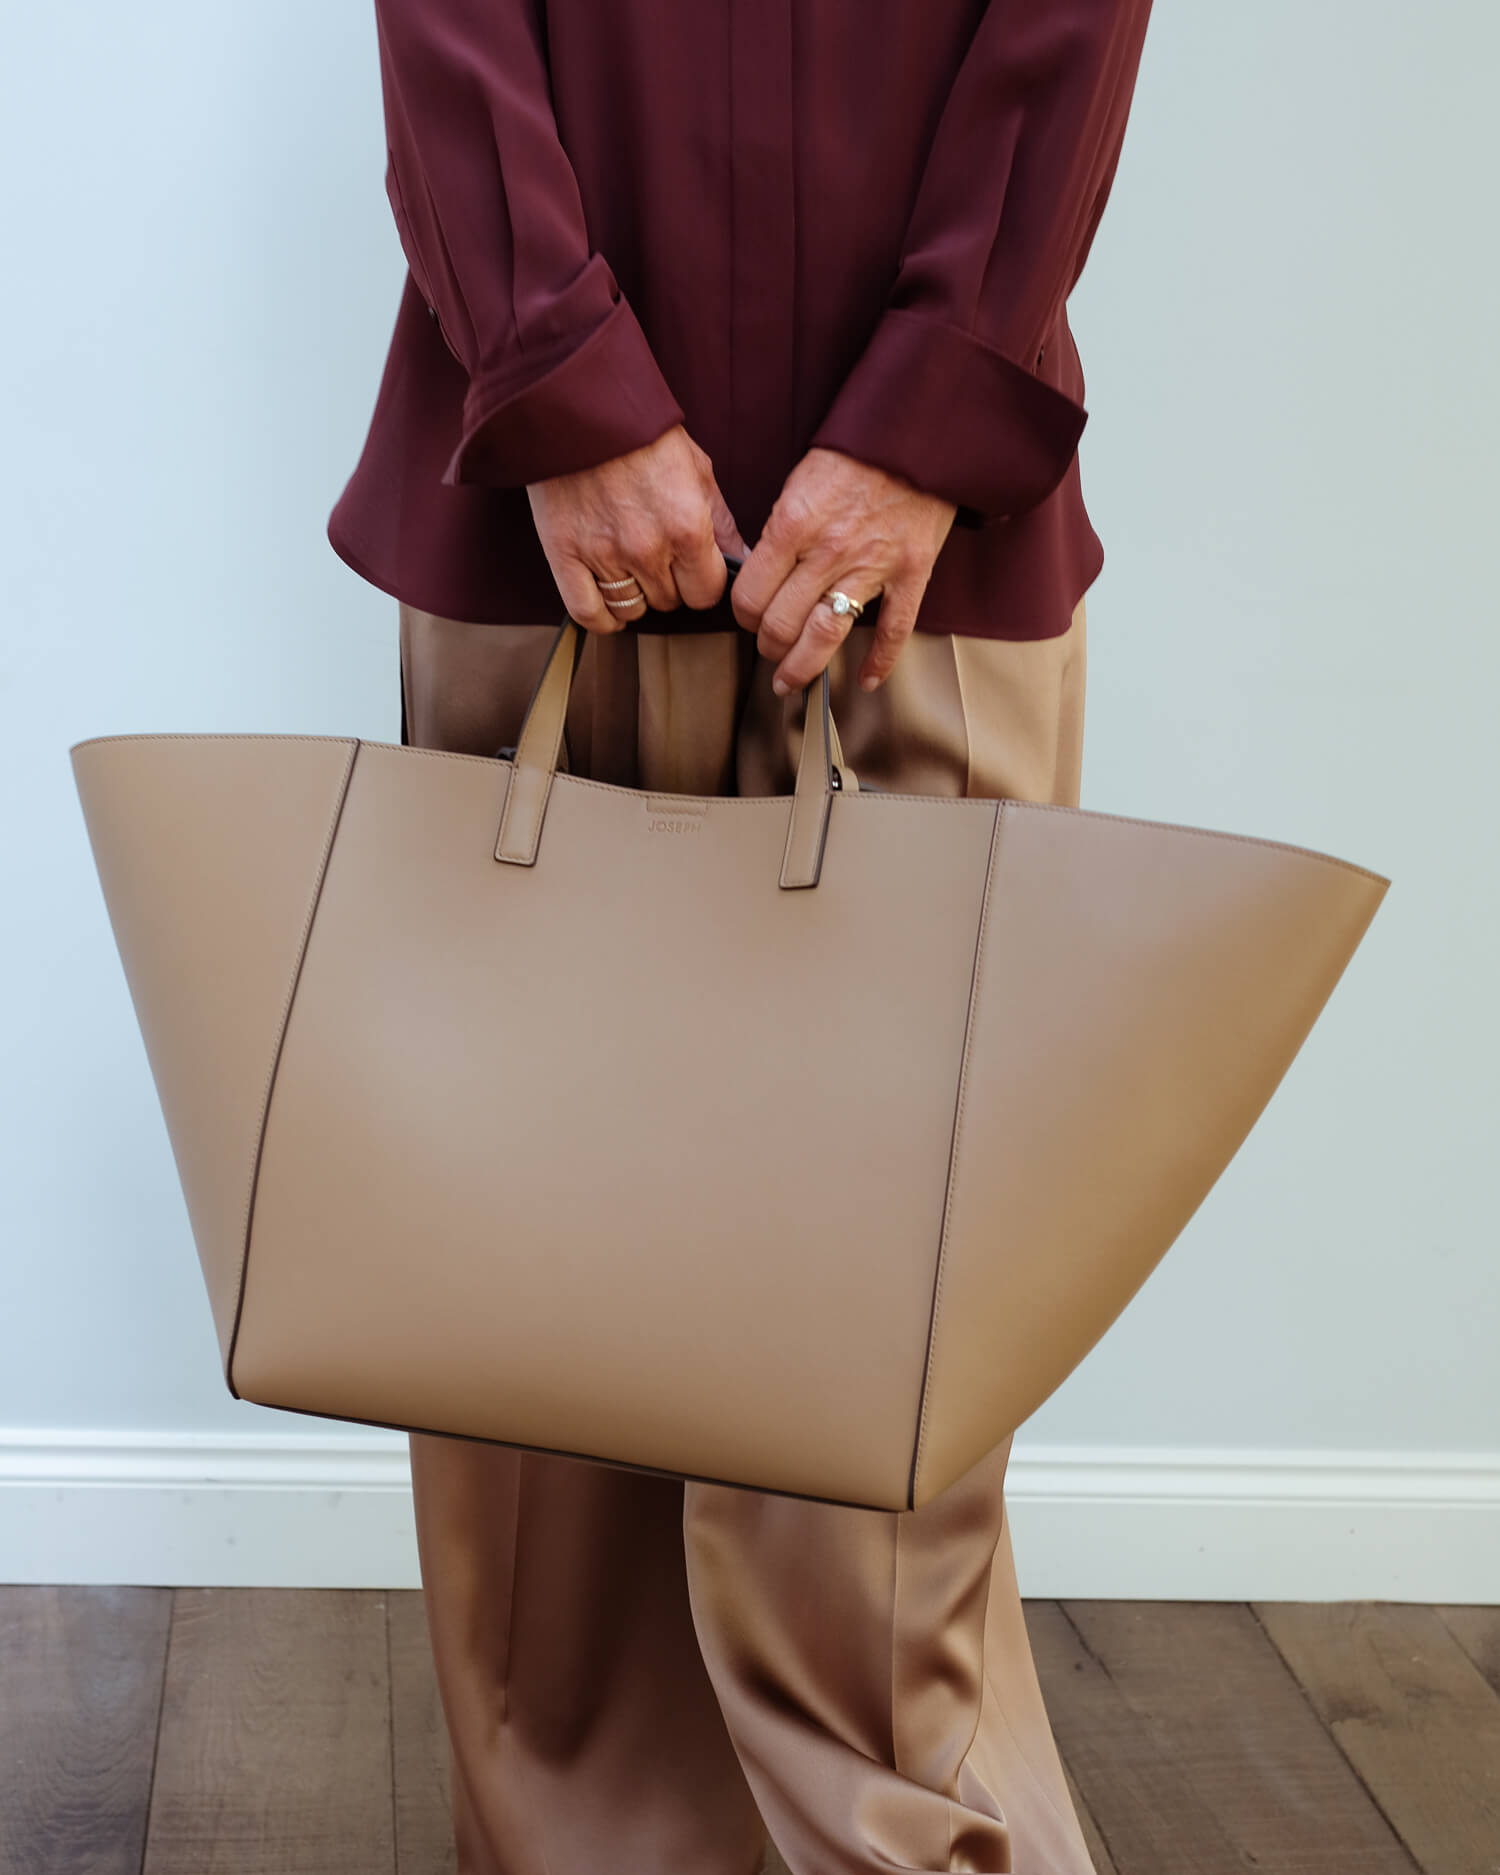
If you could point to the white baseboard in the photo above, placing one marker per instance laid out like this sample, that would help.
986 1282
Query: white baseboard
231 1510
288 1510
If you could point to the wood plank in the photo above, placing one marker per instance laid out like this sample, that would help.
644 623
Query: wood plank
275 1736
1098 1848
1132 1786
1477 1630
1416 1717
1195 1750
419 1734
1053 1649
81 1670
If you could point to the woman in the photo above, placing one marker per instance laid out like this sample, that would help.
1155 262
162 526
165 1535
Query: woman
787 285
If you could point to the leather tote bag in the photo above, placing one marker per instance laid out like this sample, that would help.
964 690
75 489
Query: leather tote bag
493 1118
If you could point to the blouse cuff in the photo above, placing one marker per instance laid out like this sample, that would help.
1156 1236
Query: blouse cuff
932 402
599 399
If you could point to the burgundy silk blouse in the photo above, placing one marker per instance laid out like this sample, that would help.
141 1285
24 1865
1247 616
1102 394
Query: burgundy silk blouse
849 223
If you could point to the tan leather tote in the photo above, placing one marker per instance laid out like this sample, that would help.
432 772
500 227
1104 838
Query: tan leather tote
493 1119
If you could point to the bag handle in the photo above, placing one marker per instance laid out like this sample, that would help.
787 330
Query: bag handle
821 769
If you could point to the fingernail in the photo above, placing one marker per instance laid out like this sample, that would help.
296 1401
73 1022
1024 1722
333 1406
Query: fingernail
780 685
868 682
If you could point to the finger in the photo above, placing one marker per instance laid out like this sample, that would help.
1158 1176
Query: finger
723 529
650 559
699 568
766 569
727 536
582 597
795 607
624 602
823 631
894 624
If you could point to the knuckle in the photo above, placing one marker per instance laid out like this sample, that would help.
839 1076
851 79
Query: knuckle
655 562
687 528
790 517
636 545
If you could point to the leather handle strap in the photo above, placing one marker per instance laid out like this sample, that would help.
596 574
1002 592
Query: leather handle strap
812 800
537 750
821 770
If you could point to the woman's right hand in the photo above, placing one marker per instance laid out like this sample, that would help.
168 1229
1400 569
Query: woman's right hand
656 513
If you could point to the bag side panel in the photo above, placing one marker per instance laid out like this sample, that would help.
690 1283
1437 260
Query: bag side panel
1143 990
208 850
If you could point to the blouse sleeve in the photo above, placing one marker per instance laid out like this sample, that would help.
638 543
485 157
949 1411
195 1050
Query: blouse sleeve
491 221
945 391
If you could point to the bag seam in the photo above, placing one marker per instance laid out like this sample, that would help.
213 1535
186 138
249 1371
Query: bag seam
248 1222
975 979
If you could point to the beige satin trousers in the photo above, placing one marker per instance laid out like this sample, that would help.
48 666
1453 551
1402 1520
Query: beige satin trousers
644 1675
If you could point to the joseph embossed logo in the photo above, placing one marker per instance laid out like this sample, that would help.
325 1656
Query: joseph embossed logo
666 814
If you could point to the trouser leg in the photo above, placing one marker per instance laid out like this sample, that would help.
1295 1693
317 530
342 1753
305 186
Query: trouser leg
584 1731
583 1728
874 1667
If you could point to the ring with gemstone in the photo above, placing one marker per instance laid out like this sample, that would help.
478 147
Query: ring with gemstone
840 603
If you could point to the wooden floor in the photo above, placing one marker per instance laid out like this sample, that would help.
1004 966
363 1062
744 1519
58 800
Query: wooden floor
298 1732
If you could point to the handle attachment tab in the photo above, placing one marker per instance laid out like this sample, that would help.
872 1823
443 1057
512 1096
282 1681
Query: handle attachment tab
821 769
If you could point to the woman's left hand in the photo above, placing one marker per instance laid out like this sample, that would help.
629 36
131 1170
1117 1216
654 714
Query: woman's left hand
838 524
